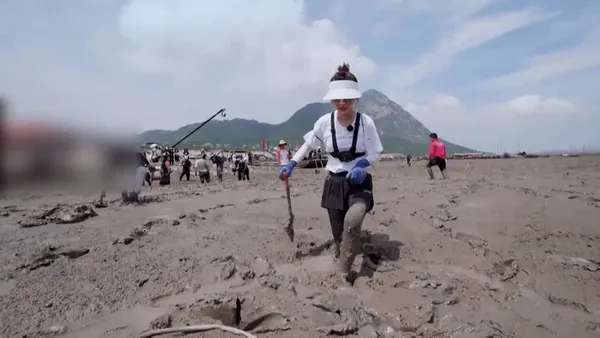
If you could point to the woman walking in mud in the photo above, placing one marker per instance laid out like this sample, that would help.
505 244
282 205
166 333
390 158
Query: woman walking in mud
352 142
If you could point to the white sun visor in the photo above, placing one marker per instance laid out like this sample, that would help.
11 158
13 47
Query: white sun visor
343 89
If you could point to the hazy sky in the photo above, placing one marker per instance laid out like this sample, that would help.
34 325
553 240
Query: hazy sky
482 73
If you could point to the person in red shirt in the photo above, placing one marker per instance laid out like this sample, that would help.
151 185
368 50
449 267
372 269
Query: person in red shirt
437 156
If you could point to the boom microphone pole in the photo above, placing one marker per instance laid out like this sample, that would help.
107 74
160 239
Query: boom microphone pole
222 112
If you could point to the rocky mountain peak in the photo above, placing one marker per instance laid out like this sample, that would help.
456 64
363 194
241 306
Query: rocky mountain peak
391 118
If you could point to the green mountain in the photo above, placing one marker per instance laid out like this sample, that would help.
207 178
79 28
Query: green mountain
398 129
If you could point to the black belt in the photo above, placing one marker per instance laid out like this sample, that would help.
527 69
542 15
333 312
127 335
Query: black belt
343 173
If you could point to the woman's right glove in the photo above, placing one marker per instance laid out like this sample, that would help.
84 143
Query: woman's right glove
287 170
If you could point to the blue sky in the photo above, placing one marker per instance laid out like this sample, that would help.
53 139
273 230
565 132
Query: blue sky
490 74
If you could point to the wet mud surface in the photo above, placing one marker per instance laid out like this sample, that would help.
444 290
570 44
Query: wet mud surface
506 248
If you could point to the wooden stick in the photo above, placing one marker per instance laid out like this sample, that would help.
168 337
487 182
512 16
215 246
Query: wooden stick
289 229
196 328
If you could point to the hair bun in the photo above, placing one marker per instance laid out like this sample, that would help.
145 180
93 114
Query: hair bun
344 68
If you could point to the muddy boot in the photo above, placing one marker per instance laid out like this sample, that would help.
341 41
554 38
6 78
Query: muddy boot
430 172
336 252
351 239
445 174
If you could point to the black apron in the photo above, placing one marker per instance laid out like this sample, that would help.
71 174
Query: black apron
339 194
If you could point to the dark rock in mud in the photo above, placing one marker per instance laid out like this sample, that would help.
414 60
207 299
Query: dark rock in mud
74 254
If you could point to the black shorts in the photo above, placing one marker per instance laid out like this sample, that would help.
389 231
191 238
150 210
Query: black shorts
440 162
339 194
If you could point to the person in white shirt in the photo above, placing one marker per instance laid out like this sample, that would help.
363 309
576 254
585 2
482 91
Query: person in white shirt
283 155
352 143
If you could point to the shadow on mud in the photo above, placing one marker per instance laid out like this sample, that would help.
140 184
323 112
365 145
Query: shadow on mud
315 251
376 249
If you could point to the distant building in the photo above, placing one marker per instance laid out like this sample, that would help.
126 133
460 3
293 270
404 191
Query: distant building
466 155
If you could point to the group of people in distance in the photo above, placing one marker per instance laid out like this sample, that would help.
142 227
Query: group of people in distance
352 142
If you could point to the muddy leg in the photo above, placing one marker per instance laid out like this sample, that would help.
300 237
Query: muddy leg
124 197
445 174
336 220
351 238
430 172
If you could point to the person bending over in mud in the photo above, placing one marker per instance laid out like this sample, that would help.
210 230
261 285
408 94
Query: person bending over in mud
218 160
353 144
135 186
437 156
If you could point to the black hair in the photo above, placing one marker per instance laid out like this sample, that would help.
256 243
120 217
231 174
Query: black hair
343 73
433 136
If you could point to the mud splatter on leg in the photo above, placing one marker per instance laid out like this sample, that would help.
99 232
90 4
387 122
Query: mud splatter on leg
430 172
336 220
351 237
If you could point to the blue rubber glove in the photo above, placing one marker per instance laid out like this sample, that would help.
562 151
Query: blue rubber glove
358 174
287 170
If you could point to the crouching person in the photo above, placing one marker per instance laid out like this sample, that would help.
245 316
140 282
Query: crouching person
137 181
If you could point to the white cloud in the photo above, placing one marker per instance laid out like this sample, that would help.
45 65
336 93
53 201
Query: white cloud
445 110
466 35
176 61
543 67
456 9
265 44
534 104
528 122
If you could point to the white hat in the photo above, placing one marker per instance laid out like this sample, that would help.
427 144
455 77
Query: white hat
282 142
342 89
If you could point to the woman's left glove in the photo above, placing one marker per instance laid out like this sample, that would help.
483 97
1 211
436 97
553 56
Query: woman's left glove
358 174
286 171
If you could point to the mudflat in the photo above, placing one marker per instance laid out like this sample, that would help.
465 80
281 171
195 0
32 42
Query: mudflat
505 248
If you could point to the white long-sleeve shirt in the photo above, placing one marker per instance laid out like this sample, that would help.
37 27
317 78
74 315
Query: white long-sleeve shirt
368 142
